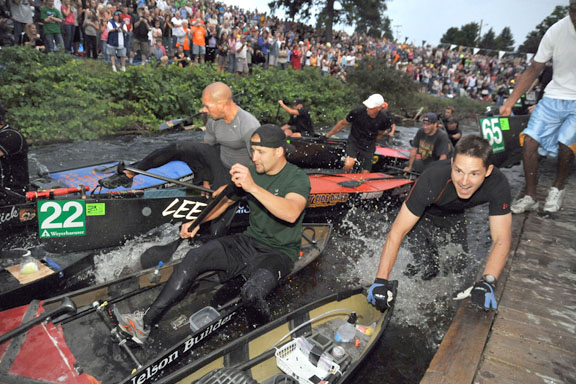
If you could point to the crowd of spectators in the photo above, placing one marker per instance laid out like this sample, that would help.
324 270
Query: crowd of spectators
189 32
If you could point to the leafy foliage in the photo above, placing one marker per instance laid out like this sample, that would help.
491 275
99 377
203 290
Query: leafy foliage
505 41
533 38
465 36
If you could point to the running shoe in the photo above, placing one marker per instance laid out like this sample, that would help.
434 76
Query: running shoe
115 181
132 324
554 200
525 204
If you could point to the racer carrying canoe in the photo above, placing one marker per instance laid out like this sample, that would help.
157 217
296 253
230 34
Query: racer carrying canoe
436 205
369 124
300 123
277 192
228 132
14 178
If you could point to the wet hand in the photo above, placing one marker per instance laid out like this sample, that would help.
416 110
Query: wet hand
185 234
380 295
505 111
242 178
483 296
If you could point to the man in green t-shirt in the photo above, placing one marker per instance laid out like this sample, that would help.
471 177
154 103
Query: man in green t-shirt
52 19
277 192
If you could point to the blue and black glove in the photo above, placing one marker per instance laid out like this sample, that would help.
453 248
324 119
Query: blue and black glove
483 296
380 295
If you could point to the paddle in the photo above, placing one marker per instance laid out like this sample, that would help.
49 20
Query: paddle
403 171
152 256
357 183
173 123
121 167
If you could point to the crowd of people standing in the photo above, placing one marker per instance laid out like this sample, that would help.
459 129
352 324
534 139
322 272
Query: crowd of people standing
186 32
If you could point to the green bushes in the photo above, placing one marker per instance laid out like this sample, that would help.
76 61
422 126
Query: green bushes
59 97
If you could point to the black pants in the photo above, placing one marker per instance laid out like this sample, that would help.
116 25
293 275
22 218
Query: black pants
432 232
91 46
203 160
231 256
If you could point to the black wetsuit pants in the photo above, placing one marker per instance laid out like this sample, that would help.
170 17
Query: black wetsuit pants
432 232
231 256
203 160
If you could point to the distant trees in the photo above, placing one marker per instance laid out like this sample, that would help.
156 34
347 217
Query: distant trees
532 41
468 35
367 15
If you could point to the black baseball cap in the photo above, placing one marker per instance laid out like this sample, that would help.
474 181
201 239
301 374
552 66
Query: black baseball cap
297 101
272 136
430 118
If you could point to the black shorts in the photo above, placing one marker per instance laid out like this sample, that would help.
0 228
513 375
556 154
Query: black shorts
362 154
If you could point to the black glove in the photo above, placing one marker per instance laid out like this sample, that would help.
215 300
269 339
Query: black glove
380 295
483 296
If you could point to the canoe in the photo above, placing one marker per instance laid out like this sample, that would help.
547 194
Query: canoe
300 347
504 134
319 152
74 223
75 346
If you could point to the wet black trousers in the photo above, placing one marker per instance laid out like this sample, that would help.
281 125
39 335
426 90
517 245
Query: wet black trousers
203 160
230 256
430 234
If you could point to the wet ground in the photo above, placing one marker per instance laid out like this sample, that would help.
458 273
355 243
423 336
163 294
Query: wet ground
424 309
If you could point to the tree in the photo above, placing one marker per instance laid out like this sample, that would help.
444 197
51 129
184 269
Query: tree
366 15
465 36
533 38
488 41
505 41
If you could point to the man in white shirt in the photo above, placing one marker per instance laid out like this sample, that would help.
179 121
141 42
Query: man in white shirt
241 52
551 130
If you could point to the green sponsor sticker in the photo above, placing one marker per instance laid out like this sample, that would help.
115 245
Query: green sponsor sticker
492 131
95 209
61 218
504 124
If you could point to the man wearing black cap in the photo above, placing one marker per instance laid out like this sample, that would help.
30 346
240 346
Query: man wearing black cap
300 123
430 143
277 192
13 162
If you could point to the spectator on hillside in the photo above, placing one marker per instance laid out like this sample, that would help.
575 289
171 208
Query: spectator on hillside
180 58
296 57
21 11
142 25
116 30
283 54
211 43
32 38
90 34
52 19
223 49
198 32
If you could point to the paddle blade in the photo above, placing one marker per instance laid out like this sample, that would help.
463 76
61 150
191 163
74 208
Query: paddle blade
351 183
153 255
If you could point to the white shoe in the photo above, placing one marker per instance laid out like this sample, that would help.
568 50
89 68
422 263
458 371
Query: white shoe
525 204
554 200
123 69
114 68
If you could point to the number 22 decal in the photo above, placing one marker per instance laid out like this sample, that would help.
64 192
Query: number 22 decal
70 222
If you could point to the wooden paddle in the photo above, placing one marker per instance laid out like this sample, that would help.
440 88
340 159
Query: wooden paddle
152 256
357 183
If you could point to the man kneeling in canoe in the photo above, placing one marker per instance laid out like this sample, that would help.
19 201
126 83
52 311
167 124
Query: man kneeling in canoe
277 192
439 197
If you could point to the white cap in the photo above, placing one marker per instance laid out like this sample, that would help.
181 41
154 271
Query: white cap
376 100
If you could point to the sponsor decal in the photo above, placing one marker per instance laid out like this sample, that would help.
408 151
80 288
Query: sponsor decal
185 209
147 375
61 218
371 195
27 214
243 209
96 209
8 216
327 199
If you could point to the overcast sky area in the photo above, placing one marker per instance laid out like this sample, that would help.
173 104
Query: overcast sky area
429 19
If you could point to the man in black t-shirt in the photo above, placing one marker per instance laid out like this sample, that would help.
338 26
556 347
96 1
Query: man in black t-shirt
436 202
369 124
430 143
14 177
300 123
